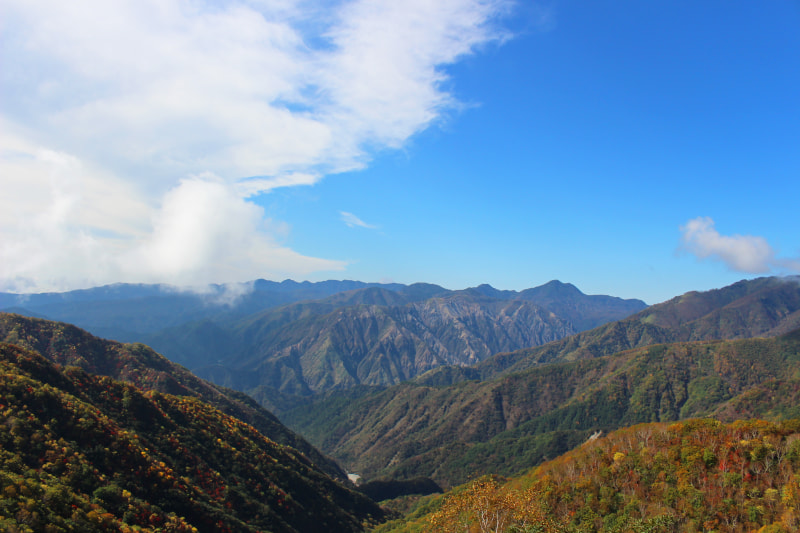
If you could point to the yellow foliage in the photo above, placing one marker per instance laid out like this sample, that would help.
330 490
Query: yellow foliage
486 506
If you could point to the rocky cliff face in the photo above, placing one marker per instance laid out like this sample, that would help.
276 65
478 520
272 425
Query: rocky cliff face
382 345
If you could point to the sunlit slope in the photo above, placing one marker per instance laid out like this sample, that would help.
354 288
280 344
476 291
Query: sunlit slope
86 452
507 424
139 365
698 475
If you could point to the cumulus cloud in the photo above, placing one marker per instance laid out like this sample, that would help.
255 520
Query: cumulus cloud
116 114
353 221
741 253
62 221
205 232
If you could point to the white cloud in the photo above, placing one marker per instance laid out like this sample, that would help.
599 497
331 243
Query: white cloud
741 253
352 221
111 111
205 232
62 222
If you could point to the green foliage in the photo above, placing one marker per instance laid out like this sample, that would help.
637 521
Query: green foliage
380 490
508 424
705 393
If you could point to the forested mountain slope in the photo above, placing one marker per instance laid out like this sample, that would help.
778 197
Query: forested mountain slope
139 365
282 342
504 425
81 452
298 350
749 308
698 475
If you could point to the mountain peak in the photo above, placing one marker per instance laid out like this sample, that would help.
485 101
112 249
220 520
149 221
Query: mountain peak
560 286
485 289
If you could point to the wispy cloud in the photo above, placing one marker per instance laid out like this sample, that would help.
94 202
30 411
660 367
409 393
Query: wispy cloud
111 111
741 253
352 221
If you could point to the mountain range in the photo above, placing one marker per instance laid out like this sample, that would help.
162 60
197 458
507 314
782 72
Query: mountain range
414 388
126 312
513 410
331 335
750 308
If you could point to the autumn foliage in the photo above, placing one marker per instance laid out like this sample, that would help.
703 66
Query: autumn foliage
697 475
81 452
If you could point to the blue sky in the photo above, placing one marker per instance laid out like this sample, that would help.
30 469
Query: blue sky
639 149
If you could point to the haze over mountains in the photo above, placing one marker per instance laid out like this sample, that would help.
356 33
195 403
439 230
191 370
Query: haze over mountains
284 340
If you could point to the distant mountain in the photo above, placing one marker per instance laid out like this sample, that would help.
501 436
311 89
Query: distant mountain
126 312
369 336
373 336
568 302
67 345
282 342
453 433
585 312
82 452
750 308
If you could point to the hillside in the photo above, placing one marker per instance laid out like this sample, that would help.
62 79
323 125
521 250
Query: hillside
137 364
750 308
302 351
375 336
697 475
504 425
82 452
282 342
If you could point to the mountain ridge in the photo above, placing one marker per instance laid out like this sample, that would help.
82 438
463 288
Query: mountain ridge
451 433
83 452
94 309
481 410
748 308
376 344
67 345
282 342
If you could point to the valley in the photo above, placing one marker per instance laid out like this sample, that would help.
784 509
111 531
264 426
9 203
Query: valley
375 266
283 343
414 388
